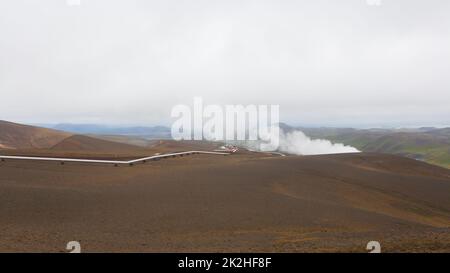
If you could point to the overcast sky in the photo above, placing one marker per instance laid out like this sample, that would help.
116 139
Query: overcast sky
339 63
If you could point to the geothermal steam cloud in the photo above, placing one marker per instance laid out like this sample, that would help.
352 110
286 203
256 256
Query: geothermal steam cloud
296 142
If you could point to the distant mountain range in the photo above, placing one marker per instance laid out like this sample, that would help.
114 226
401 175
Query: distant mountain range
156 132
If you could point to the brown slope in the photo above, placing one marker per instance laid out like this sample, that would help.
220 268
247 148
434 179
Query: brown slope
392 164
18 136
80 143
183 145
228 204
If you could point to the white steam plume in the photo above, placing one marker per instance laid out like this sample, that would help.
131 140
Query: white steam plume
296 142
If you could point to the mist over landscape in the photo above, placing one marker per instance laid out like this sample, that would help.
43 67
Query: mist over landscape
429 144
